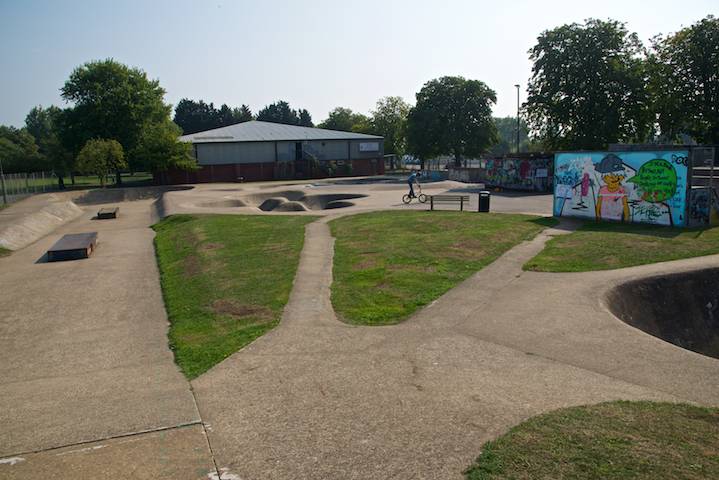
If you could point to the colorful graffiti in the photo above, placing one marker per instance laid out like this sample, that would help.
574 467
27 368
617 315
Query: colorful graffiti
641 187
522 174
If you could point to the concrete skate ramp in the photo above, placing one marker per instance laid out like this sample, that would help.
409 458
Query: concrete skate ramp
681 308
227 203
296 200
116 195
28 228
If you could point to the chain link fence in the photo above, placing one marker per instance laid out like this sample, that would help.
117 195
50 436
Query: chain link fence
16 186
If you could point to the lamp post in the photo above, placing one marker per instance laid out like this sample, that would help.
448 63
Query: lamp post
517 85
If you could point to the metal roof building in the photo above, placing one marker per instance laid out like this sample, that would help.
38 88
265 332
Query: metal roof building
266 151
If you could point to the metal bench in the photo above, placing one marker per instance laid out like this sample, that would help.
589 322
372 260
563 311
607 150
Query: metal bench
110 212
73 246
448 199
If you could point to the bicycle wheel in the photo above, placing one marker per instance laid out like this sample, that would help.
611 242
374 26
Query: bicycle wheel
406 198
422 198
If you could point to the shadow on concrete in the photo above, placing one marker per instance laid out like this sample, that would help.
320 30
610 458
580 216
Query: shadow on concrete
115 195
681 308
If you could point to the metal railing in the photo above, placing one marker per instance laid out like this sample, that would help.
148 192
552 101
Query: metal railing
16 186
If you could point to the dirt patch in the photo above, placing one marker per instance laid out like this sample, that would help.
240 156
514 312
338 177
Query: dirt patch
191 266
212 246
236 309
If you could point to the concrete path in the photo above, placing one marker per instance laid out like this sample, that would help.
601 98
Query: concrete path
84 358
316 398
88 387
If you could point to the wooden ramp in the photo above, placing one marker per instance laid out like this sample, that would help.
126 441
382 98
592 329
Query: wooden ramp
73 246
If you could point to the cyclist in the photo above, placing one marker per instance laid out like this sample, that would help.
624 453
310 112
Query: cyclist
411 180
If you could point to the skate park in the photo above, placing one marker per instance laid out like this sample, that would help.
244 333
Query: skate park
93 381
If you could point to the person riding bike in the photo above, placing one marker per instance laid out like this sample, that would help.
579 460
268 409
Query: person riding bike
411 180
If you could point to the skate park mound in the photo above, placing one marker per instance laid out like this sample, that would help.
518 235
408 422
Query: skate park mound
297 201
681 308
115 195
228 203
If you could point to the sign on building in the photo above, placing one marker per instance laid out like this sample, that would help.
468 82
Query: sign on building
369 147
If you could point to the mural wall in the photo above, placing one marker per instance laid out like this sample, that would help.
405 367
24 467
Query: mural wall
640 187
532 174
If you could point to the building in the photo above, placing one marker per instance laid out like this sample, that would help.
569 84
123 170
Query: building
252 151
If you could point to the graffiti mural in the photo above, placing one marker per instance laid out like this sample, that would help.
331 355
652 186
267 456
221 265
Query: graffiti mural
641 187
520 174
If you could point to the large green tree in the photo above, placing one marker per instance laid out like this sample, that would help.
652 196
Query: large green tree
452 116
101 157
112 101
44 124
281 112
389 119
588 86
507 136
18 151
684 82
344 119
158 149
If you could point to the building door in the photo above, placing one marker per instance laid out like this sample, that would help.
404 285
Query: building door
299 161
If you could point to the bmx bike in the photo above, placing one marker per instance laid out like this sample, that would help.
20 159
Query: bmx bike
421 197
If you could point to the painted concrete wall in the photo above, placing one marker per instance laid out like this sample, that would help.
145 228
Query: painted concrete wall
638 187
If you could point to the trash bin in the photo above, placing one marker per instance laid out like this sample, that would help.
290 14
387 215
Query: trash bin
484 197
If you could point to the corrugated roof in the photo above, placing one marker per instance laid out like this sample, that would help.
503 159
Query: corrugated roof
256 131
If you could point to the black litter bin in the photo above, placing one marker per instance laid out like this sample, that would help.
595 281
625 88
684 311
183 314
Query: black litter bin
484 197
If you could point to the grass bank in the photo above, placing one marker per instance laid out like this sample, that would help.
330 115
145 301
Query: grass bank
389 264
225 281
604 246
611 441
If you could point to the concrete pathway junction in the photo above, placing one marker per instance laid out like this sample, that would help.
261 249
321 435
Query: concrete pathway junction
89 389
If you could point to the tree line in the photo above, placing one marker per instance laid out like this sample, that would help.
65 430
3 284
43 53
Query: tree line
592 84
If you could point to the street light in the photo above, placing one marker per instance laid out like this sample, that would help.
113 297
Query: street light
517 85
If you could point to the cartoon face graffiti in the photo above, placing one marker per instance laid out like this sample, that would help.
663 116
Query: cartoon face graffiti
612 201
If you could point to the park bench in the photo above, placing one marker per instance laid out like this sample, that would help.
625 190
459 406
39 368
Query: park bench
448 199
105 213
73 247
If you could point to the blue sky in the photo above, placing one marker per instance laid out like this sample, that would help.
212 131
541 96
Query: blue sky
315 54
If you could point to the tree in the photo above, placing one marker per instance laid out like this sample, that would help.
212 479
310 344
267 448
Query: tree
452 116
684 82
112 101
588 86
101 157
44 124
342 119
193 117
158 149
18 151
507 136
242 114
278 112
305 119
389 119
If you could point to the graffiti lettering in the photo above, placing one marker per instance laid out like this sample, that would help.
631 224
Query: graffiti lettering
680 159
657 180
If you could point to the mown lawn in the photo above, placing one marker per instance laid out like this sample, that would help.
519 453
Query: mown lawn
604 246
609 441
225 281
389 264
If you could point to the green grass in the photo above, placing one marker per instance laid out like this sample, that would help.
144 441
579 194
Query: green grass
225 281
4 252
389 264
604 246
609 441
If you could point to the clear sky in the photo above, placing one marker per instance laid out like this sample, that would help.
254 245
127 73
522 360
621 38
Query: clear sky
315 54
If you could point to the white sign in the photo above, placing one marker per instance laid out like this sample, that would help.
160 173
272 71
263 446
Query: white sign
541 173
369 147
